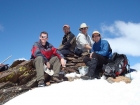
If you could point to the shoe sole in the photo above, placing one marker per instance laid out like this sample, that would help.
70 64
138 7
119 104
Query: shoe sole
41 86
87 78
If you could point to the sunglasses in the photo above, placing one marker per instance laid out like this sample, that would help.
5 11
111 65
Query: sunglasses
44 37
83 28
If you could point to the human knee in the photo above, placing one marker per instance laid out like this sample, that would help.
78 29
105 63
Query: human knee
56 58
39 58
86 59
94 55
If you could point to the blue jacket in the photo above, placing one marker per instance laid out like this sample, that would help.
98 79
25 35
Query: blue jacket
103 48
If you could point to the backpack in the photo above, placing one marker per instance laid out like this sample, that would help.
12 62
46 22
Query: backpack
4 67
117 65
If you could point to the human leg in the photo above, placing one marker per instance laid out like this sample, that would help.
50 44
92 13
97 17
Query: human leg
39 64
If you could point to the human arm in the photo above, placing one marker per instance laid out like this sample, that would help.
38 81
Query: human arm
59 55
87 46
81 39
67 44
104 49
63 62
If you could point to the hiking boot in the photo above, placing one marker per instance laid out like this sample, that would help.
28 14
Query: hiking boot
87 77
91 70
92 67
97 77
65 79
56 79
41 83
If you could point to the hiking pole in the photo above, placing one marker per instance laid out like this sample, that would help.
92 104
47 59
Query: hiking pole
129 69
6 59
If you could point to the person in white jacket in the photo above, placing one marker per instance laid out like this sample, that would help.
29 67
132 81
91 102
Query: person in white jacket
83 40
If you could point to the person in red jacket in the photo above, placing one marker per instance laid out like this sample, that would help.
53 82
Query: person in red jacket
44 53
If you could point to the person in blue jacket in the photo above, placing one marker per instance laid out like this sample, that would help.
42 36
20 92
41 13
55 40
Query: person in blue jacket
100 53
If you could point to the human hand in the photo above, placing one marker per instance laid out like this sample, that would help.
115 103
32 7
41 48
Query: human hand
63 62
87 46
91 54
48 65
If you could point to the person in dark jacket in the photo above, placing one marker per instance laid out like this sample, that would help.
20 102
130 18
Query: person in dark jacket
44 53
101 52
68 44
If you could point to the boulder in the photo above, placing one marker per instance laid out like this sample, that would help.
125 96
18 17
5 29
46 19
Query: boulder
70 64
14 73
15 63
6 85
11 92
77 60
70 58
69 69
85 54
119 79
80 64
25 77
21 77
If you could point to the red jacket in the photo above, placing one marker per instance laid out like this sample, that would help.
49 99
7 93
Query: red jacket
46 51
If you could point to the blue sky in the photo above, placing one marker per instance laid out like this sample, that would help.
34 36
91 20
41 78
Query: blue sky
21 22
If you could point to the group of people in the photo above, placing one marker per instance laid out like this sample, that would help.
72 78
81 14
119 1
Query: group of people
44 53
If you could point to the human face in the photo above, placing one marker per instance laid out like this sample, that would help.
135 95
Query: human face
66 29
43 38
84 30
96 37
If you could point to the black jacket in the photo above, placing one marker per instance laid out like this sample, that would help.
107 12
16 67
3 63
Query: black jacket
68 42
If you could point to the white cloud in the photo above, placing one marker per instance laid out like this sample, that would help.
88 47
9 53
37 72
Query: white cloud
21 59
1 28
136 66
126 37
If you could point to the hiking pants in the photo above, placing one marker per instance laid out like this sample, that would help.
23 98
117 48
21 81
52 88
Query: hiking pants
39 66
100 61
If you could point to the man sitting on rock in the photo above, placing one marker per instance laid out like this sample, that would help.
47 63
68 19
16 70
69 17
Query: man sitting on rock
44 53
68 44
83 40
101 51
